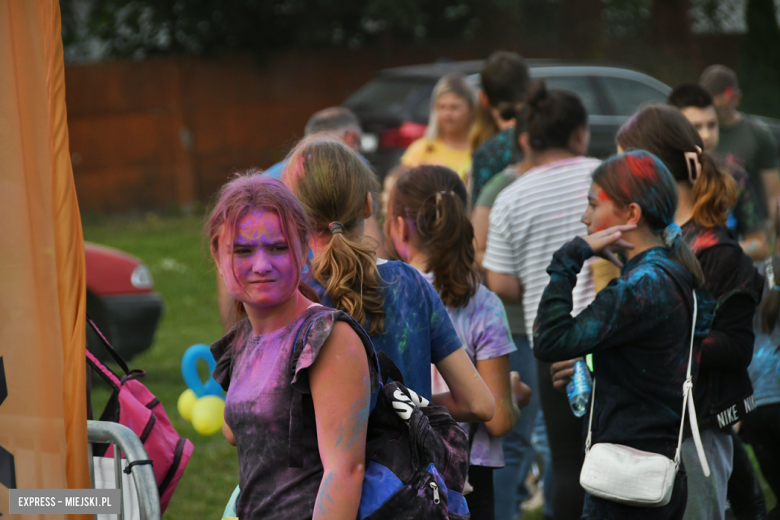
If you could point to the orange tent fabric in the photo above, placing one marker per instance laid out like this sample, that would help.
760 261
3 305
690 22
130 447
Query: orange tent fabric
42 266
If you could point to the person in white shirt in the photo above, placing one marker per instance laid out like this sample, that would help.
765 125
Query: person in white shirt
530 220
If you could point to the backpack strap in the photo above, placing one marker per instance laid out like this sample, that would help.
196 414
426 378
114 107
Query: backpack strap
388 369
295 443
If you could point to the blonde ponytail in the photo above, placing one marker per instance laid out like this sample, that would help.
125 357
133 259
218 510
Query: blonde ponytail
332 183
346 268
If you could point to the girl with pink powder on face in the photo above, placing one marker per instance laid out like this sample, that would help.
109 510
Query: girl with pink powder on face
258 238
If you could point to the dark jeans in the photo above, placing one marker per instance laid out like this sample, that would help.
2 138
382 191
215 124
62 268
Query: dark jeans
564 432
761 429
600 509
519 454
744 492
480 501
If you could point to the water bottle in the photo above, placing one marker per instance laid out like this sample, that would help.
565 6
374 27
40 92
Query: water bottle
579 388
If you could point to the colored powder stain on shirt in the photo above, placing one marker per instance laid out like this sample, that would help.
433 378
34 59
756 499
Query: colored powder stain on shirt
255 371
704 241
484 331
635 330
418 330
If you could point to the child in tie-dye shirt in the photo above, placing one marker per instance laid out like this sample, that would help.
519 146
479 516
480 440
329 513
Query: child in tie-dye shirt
428 227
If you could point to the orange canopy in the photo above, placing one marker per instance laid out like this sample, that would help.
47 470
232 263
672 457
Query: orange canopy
42 267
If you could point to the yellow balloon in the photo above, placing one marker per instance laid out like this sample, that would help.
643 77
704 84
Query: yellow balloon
186 402
208 414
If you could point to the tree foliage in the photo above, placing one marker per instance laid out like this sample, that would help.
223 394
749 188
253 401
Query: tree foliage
759 65
139 28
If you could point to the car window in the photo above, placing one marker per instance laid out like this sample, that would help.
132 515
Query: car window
582 86
628 95
421 110
383 94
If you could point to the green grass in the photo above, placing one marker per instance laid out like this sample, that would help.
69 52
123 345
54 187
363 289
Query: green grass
184 276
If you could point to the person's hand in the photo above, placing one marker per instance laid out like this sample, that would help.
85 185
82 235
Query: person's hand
601 241
521 391
561 373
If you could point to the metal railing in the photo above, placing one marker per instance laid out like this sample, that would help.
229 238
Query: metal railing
128 442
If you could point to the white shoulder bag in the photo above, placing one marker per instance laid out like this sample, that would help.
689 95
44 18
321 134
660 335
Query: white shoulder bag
634 477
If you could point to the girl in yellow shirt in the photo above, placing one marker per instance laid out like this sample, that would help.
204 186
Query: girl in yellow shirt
446 141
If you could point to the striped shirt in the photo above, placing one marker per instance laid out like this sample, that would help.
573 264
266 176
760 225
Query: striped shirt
531 220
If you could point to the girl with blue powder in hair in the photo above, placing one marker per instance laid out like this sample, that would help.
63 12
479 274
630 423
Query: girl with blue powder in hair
638 327
428 227
399 309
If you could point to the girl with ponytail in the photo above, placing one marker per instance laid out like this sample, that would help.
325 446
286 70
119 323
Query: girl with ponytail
723 392
401 311
636 326
428 227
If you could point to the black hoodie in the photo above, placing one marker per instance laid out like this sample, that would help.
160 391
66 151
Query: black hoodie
722 392
638 329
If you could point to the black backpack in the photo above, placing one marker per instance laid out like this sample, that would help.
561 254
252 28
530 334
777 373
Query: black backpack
416 454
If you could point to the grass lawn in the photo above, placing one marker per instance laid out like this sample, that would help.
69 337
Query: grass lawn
184 276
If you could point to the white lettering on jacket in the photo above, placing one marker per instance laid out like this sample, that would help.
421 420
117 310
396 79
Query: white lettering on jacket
728 416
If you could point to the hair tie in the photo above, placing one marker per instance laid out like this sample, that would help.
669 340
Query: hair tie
693 164
438 199
671 233
336 228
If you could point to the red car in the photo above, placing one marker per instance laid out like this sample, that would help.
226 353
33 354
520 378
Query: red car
121 300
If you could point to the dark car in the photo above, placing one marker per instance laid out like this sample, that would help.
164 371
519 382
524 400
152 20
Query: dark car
394 106
121 300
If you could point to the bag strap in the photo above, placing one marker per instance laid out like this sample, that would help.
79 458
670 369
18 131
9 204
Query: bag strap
590 417
687 401
114 354
106 373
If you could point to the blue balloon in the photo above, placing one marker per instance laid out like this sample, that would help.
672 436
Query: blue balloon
189 369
